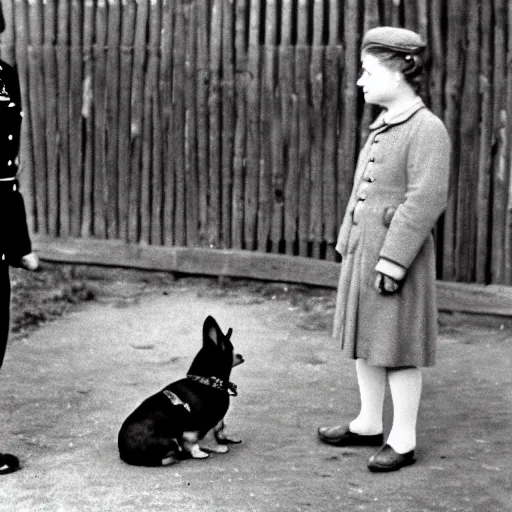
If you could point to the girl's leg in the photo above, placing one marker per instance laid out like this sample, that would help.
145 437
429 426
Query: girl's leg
405 385
372 386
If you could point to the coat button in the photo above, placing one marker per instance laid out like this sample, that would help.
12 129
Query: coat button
362 196
370 179
372 159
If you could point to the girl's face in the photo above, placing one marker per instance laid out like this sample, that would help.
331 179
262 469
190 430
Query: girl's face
380 84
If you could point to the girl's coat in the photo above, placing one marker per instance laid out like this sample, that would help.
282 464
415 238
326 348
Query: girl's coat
400 190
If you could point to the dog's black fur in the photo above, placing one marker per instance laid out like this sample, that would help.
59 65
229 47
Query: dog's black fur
167 426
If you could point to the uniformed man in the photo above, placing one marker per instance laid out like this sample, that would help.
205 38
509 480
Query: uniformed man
15 245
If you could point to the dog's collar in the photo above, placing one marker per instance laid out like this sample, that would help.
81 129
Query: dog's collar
216 383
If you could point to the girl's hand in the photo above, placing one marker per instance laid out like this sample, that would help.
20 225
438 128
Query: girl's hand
386 285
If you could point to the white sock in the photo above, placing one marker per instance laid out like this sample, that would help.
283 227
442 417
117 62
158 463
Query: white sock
372 386
405 388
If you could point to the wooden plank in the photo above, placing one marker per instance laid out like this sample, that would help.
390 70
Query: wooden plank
455 297
214 102
470 116
371 19
112 116
273 163
7 41
316 78
166 66
203 138
302 57
86 224
347 143
292 182
136 133
150 202
125 88
393 12
422 18
333 60
191 168
253 131
411 15
179 114
57 211
240 142
456 23
334 20
500 119
37 113
228 118
484 164
437 53
265 170
157 124
286 71
58 67
220 262
76 143
508 217
26 168
278 162
100 122
423 29
474 298
289 129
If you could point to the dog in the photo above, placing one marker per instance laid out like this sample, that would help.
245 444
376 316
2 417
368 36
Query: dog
167 427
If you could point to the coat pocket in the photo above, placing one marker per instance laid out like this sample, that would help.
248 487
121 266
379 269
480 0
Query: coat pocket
389 213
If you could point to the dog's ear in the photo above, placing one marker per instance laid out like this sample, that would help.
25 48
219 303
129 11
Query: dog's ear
229 333
211 331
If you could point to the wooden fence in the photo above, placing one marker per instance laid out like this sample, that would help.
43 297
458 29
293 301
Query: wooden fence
236 123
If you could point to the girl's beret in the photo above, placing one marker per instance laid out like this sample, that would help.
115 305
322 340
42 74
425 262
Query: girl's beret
393 38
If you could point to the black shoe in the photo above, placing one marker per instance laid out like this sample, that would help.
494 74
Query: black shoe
341 436
386 459
8 463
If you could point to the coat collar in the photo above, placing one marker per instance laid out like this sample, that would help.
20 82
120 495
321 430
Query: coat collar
398 118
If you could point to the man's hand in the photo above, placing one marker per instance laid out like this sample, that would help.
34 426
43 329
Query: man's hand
30 262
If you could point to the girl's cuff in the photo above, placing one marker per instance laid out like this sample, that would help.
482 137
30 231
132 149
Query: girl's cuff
391 269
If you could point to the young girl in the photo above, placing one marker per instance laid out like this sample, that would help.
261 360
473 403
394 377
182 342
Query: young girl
15 245
386 315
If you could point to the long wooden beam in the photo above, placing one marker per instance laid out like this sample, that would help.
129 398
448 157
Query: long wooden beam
453 297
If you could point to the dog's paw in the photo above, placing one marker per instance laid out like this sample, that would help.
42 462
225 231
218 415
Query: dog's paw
222 438
219 448
197 453
170 460
229 440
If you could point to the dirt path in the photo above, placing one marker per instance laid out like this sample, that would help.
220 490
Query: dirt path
67 387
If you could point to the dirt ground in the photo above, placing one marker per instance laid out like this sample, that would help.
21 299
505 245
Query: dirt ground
118 336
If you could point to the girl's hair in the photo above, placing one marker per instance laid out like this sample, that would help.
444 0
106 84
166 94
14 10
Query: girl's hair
411 65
